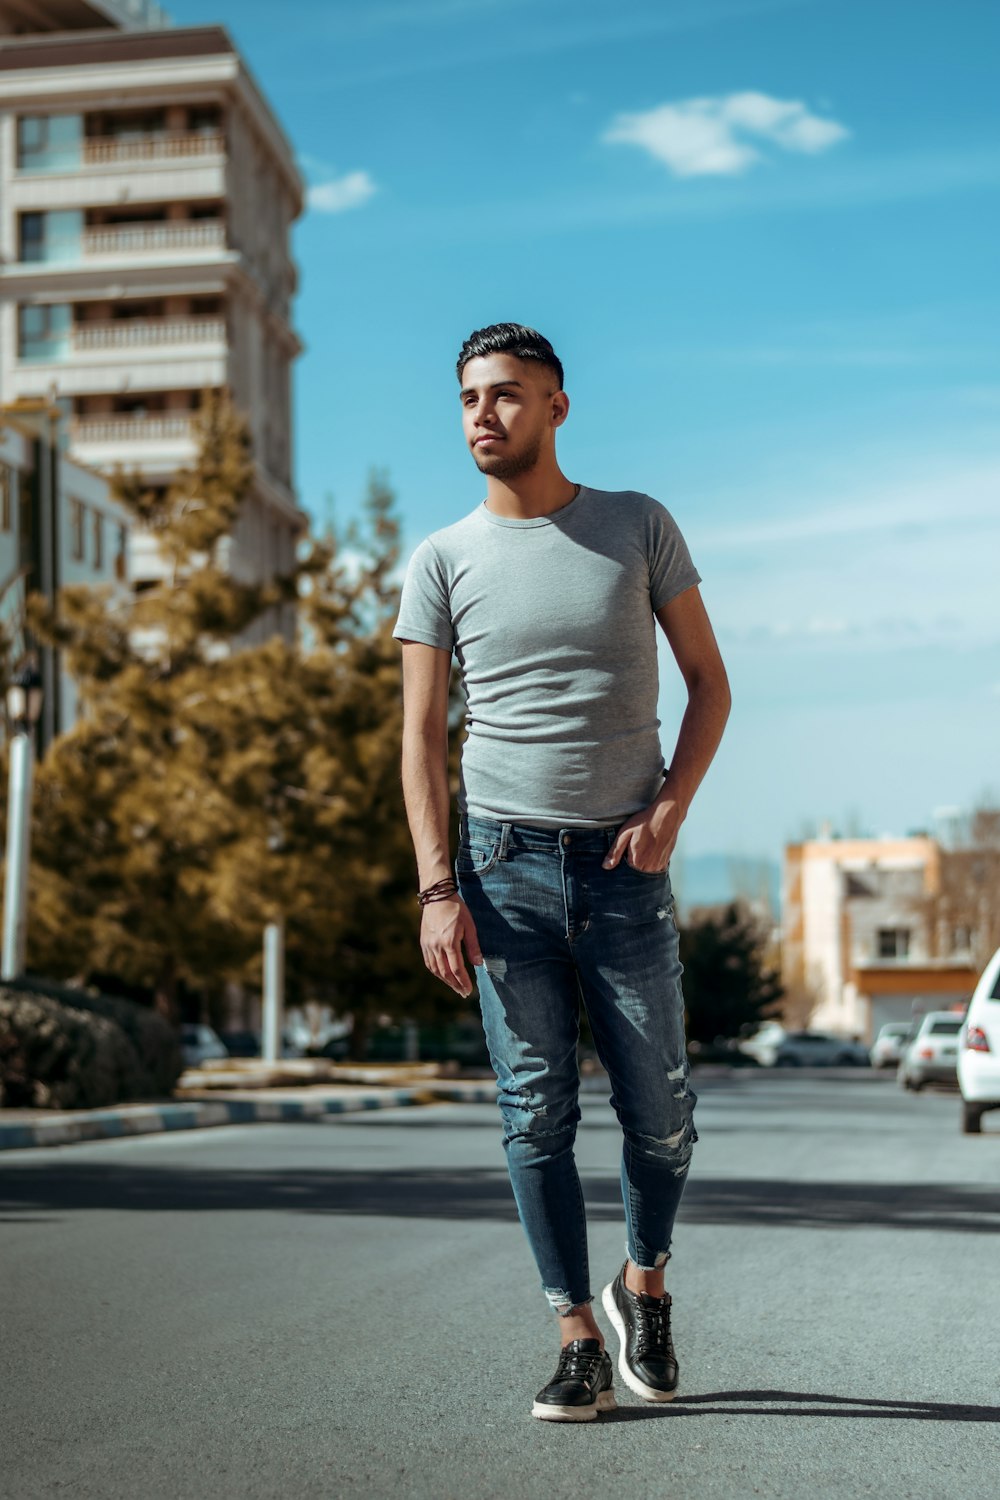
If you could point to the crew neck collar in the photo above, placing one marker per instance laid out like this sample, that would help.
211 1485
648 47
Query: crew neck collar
523 524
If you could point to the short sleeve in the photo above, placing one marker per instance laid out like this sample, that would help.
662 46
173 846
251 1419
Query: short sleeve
424 608
671 570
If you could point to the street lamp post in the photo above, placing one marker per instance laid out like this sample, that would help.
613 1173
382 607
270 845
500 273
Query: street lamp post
273 1017
274 991
24 707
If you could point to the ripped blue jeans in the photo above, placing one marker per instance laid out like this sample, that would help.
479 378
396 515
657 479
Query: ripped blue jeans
555 929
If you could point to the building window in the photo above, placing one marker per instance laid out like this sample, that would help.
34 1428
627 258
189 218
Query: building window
893 942
51 237
121 555
32 236
49 143
26 526
77 525
44 330
6 481
98 534
204 119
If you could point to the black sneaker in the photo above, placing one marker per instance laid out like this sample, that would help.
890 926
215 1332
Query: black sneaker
646 1360
581 1386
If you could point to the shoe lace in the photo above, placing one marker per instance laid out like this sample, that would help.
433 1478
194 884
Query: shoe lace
653 1328
579 1363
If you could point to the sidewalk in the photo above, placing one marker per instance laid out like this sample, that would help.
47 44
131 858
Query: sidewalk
243 1091
200 1108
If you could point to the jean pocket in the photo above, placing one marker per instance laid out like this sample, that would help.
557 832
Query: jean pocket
623 864
476 858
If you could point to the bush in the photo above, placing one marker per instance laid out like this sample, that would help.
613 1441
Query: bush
156 1042
64 1048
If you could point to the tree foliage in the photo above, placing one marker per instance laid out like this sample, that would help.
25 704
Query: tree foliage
963 910
211 785
729 987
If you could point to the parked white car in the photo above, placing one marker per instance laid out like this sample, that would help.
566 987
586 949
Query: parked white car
890 1044
763 1044
932 1056
979 1050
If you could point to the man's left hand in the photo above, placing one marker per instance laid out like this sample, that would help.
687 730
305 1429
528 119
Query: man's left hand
646 840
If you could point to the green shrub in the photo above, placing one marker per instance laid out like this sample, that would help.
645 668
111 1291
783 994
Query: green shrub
65 1048
156 1042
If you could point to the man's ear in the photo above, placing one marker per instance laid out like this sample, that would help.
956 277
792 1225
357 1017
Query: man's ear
560 408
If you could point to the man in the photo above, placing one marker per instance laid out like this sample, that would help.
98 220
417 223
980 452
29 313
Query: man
549 593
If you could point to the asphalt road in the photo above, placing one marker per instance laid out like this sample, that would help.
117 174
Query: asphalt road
347 1308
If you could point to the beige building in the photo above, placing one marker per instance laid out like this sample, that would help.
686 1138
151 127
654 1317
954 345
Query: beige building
58 525
146 198
859 940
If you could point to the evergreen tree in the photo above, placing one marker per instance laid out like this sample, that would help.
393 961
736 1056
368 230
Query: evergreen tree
728 987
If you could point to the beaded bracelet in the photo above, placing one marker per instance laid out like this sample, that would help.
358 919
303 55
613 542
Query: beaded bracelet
439 891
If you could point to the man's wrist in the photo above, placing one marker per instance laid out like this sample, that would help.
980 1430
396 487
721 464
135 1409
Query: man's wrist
441 890
433 863
671 794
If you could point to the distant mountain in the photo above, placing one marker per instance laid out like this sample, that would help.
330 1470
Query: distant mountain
709 879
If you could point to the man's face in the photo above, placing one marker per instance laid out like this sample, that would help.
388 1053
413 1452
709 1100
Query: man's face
510 409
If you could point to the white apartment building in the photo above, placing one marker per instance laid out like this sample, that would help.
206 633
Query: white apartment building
146 198
58 525
858 935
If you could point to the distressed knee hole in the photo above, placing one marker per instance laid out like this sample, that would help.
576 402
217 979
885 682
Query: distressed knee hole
674 1149
562 1303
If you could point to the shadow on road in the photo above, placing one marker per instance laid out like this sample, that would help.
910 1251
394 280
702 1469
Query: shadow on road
475 1193
797 1404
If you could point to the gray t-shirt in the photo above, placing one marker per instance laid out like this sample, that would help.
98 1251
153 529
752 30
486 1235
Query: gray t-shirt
552 623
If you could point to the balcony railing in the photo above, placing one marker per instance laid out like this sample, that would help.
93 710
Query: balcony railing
135 333
162 427
167 145
170 234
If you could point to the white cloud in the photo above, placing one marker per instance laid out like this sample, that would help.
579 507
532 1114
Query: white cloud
338 194
932 502
708 137
898 557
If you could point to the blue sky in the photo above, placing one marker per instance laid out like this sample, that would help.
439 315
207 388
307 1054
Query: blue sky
763 238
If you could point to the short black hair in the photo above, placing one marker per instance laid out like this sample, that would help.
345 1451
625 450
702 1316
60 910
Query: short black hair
510 338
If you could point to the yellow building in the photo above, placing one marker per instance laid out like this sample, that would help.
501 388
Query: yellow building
860 938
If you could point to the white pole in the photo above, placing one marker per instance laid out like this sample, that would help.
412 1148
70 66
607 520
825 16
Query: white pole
411 1041
15 895
274 990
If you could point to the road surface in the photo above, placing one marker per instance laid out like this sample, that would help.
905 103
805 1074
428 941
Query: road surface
348 1308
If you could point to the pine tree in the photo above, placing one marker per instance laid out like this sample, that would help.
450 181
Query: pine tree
728 987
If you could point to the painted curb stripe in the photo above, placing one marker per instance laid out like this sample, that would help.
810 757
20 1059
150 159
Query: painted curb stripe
103 1124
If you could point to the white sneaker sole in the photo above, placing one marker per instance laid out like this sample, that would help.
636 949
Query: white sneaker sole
605 1402
647 1392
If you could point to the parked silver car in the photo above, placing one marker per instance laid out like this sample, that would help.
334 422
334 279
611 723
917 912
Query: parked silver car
890 1044
773 1047
932 1056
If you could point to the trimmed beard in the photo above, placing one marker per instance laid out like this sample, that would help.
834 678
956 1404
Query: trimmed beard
501 466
